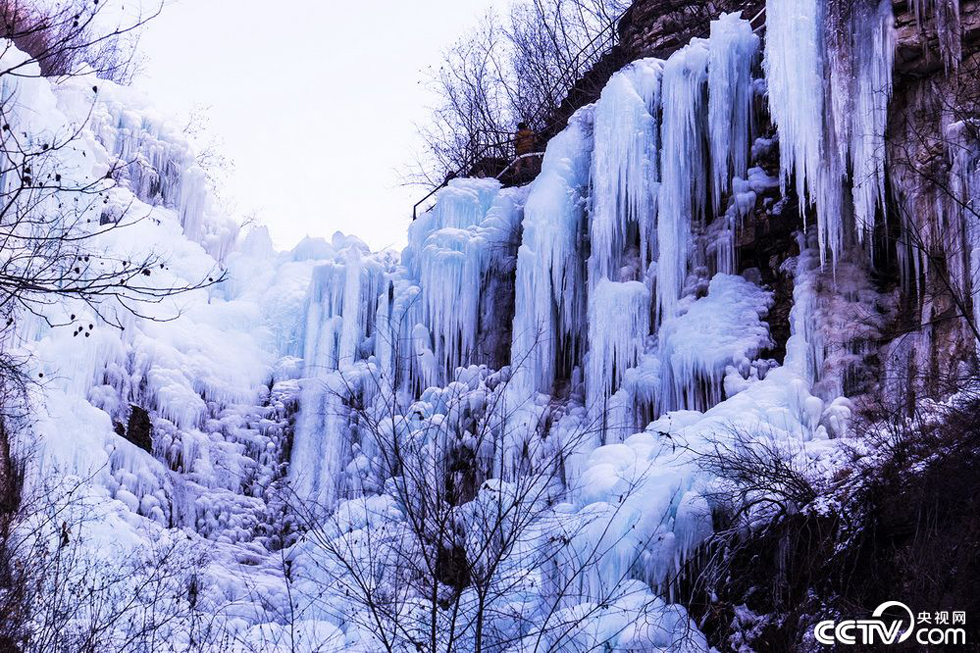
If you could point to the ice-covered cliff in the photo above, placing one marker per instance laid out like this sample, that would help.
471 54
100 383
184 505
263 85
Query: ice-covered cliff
490 440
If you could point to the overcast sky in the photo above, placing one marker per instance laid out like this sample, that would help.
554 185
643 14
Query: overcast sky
314 101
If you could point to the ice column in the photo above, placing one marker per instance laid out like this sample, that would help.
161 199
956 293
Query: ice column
550 297
625 167
684 189
733 51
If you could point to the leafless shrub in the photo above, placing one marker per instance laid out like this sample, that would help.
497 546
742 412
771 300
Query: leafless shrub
61 594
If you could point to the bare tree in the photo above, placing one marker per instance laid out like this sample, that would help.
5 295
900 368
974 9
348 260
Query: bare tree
60 37
501 74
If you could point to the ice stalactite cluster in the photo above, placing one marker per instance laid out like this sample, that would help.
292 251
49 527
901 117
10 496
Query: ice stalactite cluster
619 321
720 335
684 187
152 158
625 171
965 189
550 301
733 50
871 90
451 251
829 67
340 315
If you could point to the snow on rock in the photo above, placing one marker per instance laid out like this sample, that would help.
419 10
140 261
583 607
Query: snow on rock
720 334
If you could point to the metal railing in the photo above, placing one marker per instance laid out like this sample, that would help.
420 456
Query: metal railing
570 74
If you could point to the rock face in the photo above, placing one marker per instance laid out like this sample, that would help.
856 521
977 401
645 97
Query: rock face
140 429
655 28
929 100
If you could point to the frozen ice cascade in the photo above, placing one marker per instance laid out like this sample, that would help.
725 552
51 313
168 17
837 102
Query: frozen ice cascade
824 125
592 331
684 189
625 169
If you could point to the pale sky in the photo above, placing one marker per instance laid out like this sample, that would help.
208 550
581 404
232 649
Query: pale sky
314 101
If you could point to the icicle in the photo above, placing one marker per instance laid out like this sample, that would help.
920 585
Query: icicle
946 17
856 50
625 168
794 65
794 71
618 325
452 250
733 51
683 192
550 302
875 47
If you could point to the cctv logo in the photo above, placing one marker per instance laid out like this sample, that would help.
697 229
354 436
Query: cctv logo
877 631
